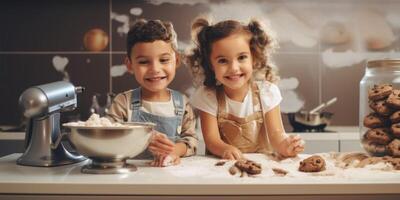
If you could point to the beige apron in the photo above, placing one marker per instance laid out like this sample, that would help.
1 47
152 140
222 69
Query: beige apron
238 131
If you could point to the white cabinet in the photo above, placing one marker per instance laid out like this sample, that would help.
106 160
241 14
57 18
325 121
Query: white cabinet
350 145
319 146
343 140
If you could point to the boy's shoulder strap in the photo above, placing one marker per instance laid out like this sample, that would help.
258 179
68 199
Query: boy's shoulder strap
179 105
136 99
178 101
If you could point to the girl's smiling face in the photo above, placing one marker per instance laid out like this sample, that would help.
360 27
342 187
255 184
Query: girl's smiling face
232 62
153 64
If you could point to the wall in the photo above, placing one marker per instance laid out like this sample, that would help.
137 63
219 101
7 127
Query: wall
323 46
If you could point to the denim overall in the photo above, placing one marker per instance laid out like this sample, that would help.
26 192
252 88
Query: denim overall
238 131
170 126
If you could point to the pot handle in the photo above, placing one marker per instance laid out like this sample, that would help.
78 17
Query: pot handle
323 105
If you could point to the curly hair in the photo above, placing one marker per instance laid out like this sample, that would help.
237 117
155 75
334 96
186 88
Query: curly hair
204 35
149 31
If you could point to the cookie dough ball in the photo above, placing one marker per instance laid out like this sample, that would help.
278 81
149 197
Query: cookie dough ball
312 164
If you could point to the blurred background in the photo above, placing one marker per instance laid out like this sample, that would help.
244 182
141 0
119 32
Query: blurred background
324 46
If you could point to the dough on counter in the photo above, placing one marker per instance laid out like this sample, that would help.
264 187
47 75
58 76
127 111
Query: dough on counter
312 164
279 171
373 161
345 160
220 163
245 167
250 167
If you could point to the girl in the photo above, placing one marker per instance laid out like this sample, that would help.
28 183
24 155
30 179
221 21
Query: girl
152 57
238 114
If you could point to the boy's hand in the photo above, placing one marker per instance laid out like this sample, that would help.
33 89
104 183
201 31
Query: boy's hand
160 144
232 153
291 146
164 161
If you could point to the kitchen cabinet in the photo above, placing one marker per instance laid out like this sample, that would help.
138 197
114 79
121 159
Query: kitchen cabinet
345 139
11 146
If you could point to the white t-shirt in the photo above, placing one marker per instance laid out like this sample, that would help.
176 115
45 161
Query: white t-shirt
165 109
206 100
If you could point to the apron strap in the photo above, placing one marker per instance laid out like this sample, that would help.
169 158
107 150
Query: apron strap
177 98
263 136
221 109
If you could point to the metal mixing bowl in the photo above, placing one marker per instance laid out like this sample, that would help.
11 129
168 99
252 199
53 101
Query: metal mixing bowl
108 144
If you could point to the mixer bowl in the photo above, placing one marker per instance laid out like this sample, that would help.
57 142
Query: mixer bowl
110 144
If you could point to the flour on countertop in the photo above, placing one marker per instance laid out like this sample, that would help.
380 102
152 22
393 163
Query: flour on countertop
204 167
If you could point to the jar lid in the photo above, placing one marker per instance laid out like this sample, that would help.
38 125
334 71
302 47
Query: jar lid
395 63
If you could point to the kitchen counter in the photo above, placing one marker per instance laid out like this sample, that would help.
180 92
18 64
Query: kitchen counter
196 175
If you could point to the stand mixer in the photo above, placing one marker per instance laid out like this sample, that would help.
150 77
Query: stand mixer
42 105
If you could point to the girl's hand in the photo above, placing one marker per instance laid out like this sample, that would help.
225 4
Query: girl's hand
164 161
160 144
232 153
291 146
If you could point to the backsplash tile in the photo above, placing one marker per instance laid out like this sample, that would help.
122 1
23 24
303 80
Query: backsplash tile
323 46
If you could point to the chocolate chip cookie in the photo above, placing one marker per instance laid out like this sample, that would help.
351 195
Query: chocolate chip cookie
394 148
394 99
379 135
373 120
395 117
395 128
381 107
312 164
249 166
374 148
379 92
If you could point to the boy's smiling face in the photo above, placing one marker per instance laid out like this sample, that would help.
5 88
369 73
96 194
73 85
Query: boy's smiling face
153 64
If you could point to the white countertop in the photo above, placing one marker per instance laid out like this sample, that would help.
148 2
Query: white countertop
195 175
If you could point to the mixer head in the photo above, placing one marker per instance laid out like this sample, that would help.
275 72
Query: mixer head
48 98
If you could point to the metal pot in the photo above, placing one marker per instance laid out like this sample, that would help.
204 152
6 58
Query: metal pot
305 122
314 120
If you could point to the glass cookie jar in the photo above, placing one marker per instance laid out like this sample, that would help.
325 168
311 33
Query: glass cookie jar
379 111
